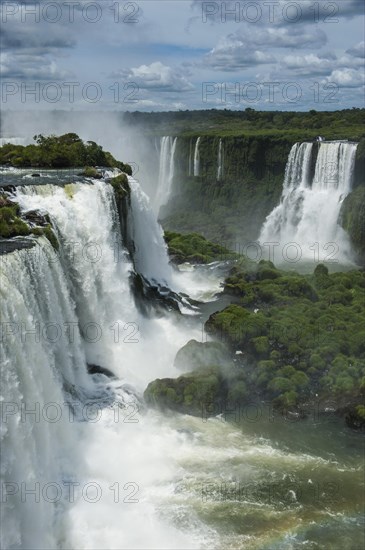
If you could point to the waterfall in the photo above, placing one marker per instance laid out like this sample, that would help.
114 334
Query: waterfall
166 172
150 256
220 161
197 158
41 353
77 307
310 205
86 222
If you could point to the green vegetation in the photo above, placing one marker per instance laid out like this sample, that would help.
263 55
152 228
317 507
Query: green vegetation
299 338
299 126
353 218
47 231
12 224
188 393
256 146
121 186
194 248
91 172
64 151
195 355
305 336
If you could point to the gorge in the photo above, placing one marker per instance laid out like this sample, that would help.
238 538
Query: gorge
104 425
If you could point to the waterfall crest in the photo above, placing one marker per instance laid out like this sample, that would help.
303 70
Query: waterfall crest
310 204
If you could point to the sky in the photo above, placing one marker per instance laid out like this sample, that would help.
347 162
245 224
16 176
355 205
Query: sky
162 55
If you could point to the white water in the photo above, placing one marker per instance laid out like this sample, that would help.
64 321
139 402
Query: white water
151 254
98 272
197 158
220 161
309 210
162 462
88 287
151 257
38 357
166 172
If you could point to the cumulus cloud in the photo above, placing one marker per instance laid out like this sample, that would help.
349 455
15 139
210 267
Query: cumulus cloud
313 64
346 78
255 47
310 64
156 76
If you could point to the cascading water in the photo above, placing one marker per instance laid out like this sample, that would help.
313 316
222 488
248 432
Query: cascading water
166 172
98 269
220 161
41 353
82 291
196 482
89 252
150 256
197 157
309 209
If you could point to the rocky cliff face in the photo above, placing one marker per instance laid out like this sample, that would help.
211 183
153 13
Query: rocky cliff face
229 204
234 204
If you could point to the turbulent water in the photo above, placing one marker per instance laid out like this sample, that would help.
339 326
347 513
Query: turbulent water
309 208
109 473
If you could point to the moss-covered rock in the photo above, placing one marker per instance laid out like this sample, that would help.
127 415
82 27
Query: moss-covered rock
11 225
359 172
195 355
194 248
190 393
47 232
121 186
32 223
91 172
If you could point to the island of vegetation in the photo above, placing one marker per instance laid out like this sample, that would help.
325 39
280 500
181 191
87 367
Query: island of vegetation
66 151
289 339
